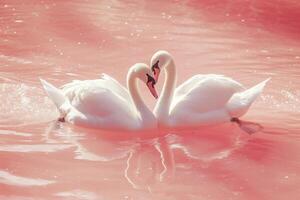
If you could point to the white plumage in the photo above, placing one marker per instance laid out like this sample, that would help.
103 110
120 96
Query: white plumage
104 103
201 100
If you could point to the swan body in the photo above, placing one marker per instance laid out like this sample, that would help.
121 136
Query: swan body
202 99
104 103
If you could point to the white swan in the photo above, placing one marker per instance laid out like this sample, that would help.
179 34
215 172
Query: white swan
202 99
104 103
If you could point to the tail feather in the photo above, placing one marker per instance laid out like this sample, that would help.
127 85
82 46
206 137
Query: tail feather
54 94
240 102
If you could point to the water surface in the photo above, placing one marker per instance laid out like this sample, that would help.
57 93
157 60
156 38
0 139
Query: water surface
61 41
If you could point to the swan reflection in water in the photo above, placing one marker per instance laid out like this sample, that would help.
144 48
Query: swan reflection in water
148 161
159 168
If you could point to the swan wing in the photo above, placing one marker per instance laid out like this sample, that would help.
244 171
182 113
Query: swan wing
105 81
116 86
188 84
97 97
100 107
203 93
100 101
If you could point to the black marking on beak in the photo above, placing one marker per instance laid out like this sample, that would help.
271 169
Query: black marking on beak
150 84
155 66
151 79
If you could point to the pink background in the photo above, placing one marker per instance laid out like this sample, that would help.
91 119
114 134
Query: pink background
65 40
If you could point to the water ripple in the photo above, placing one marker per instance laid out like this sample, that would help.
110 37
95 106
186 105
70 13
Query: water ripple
10 179
29 148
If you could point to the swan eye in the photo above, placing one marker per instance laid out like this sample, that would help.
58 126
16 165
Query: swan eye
150 79
155 66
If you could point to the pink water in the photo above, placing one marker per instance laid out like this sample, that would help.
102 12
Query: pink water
65 40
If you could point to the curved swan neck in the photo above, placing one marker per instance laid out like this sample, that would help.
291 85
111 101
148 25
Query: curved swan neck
138 102
162 108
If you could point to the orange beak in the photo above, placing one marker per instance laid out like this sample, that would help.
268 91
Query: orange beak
152 89
156 73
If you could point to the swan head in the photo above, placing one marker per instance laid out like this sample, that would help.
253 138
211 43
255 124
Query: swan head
158 61
145 74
